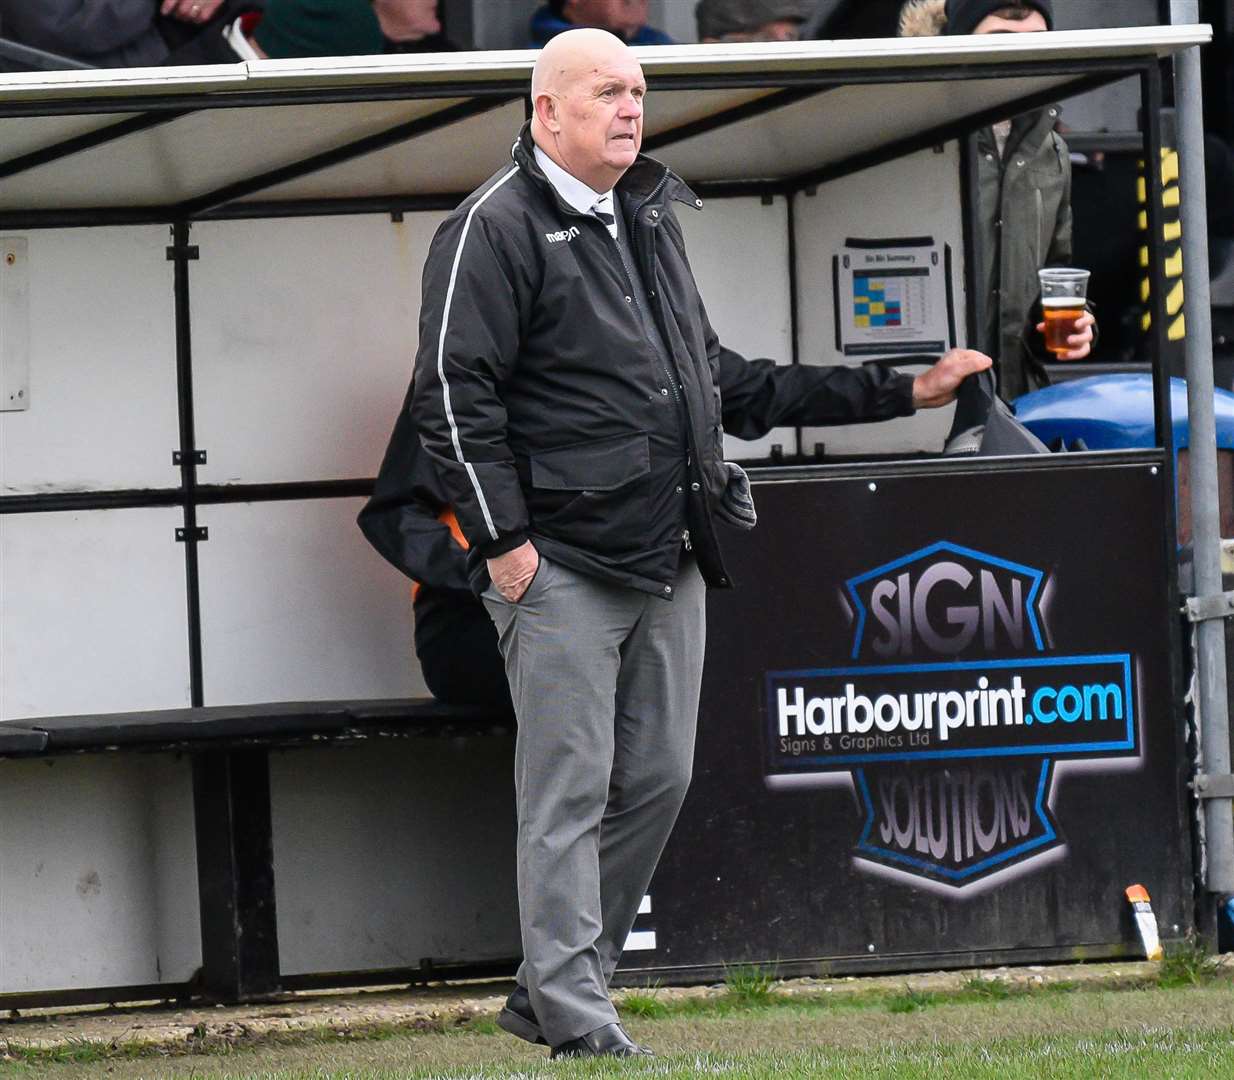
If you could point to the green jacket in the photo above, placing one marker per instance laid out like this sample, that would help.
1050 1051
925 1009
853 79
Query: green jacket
1024 210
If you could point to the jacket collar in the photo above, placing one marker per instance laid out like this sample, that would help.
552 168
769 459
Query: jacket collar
646 182
1028 132
580 196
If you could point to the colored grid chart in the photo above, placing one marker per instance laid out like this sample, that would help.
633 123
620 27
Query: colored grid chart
877 302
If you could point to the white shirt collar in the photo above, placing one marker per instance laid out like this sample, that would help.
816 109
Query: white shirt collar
572 190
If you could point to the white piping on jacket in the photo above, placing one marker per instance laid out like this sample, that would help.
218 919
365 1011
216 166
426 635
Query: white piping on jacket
441 350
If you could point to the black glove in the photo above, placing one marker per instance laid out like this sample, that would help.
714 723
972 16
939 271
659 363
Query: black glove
737 504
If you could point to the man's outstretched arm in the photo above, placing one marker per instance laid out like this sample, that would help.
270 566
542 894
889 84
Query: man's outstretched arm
758 395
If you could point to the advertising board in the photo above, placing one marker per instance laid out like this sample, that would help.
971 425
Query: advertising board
938 720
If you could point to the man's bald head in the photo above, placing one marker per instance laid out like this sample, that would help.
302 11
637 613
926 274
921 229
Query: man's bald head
572 53
587 88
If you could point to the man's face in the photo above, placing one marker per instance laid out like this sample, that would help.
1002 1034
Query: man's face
1000 24
601 115
621 17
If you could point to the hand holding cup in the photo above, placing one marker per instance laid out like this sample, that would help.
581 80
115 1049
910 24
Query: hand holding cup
1067 326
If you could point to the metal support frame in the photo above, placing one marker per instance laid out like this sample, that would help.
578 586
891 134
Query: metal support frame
1151 105
236 99
180 254
1200 608
747 110
235 874
251 210
974 266
1207 786
80 143
923 140
339 155
794 301
1212 691
225 203
792 87
204 495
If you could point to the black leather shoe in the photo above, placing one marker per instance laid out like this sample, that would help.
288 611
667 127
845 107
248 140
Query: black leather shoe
519 1018
610 1040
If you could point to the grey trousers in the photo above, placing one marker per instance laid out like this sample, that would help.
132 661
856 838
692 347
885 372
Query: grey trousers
605 682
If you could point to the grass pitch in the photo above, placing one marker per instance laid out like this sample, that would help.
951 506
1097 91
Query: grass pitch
1181 1027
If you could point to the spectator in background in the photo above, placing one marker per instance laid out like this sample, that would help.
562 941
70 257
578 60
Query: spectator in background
348 28
625 18
411 26
751 20
317 28
1023 199
851 19
125 33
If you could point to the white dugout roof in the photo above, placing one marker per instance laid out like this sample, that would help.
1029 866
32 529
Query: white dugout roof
285 137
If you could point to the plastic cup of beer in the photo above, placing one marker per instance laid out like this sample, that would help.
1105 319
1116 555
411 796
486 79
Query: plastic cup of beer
1064 293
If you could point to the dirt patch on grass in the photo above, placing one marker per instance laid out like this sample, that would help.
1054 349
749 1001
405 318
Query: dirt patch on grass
444 1008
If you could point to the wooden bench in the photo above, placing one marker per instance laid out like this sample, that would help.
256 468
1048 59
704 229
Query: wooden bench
229 747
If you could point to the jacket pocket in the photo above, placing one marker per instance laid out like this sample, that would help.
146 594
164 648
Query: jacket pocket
1048 185
596 465
593 495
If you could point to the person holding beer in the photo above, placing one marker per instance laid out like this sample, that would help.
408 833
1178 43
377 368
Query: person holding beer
1024 208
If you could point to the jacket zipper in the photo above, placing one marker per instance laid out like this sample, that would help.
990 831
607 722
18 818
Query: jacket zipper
672 381
686 539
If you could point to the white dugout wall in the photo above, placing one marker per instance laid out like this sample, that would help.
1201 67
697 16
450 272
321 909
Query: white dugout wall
303 338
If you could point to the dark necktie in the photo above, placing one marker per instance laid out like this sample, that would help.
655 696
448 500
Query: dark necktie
604 211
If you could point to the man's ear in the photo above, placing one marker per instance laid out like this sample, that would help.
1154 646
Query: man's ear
548 112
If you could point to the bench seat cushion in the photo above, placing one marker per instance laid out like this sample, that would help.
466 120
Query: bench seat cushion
269 722
16 738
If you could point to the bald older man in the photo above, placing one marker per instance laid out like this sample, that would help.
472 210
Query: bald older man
574 395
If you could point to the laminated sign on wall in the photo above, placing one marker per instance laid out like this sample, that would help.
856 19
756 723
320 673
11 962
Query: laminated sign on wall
893 297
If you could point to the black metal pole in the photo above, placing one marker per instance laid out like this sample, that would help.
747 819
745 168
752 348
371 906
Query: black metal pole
1151 97
1151 102
794 302
974 272
1211 677
793 299
180 254
231 788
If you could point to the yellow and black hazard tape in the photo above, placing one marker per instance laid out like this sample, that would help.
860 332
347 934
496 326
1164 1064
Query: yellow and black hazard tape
1172 236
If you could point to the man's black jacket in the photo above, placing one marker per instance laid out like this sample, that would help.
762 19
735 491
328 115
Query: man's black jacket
539 396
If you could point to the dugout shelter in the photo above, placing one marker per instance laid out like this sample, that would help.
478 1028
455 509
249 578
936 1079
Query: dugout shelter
209 288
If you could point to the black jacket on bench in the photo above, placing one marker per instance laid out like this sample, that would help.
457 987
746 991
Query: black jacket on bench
407 521
540 397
